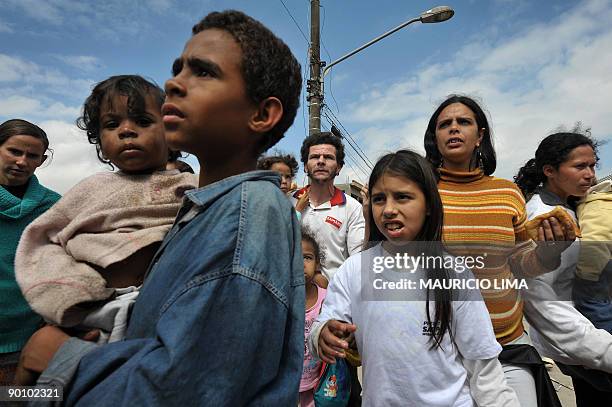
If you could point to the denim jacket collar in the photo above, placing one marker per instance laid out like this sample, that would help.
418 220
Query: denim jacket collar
197 200
205 195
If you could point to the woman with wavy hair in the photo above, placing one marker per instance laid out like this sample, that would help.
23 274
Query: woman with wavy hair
562 171
485 215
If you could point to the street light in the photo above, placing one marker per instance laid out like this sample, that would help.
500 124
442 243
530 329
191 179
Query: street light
315 85
437 14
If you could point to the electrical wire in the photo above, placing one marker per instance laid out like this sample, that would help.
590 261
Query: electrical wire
296 23
363 166
347 134
363 174
331 91
350 140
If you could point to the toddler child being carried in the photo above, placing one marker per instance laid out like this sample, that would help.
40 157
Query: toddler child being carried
80 263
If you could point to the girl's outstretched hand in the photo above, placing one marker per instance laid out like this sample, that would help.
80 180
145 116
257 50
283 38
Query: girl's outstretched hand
333 340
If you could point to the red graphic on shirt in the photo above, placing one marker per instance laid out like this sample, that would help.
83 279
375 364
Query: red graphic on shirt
333 221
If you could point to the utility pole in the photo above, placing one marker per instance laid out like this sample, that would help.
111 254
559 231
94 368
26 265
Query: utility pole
313 87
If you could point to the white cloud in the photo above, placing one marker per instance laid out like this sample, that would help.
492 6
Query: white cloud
109 19
30 91
82 62
23 106
60 110
44 11
15 69
73 157
18 105
546 75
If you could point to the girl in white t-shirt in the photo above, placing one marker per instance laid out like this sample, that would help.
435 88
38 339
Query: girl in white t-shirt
315 295
421 344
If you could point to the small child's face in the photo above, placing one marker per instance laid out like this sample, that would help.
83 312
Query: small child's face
207 110
285 173
133 141
398 208
310 260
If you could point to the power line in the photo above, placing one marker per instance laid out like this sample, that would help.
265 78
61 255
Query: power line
362 173
296 23
347 136
362 154
352 145
331 92
357 161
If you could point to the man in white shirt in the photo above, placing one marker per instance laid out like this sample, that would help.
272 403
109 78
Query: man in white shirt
335 217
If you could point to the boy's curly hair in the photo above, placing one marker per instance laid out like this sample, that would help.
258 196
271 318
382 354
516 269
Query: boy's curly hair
268 67
265 163
135 87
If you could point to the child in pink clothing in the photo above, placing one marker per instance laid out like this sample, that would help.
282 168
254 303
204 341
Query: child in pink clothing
314 299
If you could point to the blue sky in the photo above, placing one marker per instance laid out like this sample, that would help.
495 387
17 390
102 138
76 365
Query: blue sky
535 66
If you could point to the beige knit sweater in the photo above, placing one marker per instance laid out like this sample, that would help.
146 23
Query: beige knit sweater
102 220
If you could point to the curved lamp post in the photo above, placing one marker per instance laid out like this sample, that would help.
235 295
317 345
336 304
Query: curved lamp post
434 15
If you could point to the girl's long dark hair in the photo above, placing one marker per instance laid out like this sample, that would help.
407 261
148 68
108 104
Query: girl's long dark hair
410 165
553 151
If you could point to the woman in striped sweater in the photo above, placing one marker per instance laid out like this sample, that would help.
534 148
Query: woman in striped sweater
485 216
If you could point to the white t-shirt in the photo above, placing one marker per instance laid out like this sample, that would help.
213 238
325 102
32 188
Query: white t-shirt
393 339
338 225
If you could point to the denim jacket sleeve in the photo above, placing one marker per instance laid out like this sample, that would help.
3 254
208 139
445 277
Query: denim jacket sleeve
62 367
219 321
230 347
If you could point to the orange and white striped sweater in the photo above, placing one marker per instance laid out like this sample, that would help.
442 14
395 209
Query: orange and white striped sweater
484 214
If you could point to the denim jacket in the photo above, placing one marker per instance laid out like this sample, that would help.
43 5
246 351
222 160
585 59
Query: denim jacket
220 318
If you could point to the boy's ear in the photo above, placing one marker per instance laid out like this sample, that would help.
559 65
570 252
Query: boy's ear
268 114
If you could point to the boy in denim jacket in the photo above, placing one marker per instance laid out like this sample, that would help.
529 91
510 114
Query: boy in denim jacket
220 318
